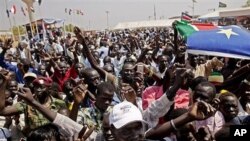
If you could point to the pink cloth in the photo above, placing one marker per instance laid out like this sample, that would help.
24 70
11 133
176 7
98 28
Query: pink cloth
181 99
214 123
150 94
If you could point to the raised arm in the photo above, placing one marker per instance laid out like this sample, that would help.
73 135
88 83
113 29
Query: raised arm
3 64
142 56
161 106
3 84
199 111
157 48
10 110
26 95
90 57
79 94
64 122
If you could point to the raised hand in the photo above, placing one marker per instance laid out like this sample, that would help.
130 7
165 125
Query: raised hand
79 35
80 92
45 56
4 77
7 44
26 95
128 93
201 110
204 134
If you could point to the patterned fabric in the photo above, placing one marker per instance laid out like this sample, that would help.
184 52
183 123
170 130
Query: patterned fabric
92 117
181 99
33 118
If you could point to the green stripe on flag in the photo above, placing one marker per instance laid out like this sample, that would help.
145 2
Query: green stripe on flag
185 29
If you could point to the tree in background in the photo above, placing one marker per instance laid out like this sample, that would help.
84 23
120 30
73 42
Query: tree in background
69 28
21 29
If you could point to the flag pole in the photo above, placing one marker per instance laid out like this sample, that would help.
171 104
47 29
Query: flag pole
154 12
44 31
71 20
6 7
175 36
37 32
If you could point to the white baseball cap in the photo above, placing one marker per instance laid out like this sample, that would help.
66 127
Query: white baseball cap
125 113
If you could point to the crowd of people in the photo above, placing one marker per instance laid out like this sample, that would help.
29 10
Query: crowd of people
126 85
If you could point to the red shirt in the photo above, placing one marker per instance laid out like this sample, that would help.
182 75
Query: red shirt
60 79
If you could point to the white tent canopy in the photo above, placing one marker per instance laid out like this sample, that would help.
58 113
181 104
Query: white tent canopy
212 15
144 24
235 12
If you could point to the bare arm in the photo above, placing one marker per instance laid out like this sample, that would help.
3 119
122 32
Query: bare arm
142 56
9 111
26 94
90 57
2 91
5 111
195 113
79 94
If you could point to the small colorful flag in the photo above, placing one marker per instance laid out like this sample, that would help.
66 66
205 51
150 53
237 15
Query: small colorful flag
70 11
185 17
81 13
8 13
13 9
222 5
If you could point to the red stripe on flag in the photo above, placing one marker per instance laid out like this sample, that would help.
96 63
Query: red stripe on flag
186 17
204 26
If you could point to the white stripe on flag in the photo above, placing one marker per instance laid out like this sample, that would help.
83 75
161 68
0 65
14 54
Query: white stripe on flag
214 53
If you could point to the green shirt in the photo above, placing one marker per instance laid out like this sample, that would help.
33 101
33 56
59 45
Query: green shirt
92 117
33 118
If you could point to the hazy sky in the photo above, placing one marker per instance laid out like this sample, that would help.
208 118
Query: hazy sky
95 16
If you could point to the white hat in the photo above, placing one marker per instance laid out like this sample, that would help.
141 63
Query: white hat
30 74
123 114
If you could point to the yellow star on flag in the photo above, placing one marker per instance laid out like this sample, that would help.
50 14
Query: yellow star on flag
227 32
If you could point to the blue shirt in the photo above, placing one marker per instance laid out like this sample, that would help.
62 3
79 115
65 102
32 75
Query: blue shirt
14 68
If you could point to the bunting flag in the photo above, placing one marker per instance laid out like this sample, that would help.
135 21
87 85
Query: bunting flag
207 39
81 13
39 2
8 13
185 17
73 11
70 11
22 9
222 5
13 9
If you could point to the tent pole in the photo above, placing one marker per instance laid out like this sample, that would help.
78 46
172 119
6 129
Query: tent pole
44 31
37 32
